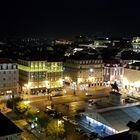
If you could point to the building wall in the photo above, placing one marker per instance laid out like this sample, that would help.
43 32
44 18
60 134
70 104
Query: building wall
131 79
84 71
9 78
11 137
136 44
113 73
40 75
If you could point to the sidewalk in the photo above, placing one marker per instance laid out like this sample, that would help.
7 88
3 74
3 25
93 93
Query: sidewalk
26 96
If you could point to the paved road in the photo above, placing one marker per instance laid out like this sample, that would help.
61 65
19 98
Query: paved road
74 102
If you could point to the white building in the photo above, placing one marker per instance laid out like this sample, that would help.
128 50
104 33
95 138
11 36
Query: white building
113 72
136 44
131 78
8 77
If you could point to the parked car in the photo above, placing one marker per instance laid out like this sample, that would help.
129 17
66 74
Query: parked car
48 108
56 114
82 131
52 114
88 94
65 118
90 101
73 122
77 129
49 112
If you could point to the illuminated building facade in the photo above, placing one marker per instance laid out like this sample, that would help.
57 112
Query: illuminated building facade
63 42
84 72
8 77
39 76
101 43
113 72
136 44
131 79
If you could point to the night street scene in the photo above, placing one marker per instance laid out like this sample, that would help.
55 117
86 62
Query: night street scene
70 70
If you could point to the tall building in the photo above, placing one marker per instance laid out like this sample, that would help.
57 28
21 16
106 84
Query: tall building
40 76
8 77
84 71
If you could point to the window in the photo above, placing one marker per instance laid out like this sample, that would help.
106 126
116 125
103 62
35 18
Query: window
3 79
4 72
4 66
9 66
14 66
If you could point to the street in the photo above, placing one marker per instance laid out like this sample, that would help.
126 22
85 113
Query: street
69 104
75 102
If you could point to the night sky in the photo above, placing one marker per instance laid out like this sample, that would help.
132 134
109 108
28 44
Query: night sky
67 18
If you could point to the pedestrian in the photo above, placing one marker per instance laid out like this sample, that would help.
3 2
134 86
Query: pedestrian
89 123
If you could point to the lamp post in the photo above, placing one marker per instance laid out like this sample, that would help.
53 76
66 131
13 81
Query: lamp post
90 76
74 93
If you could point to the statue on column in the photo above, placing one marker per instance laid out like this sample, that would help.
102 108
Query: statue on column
115 87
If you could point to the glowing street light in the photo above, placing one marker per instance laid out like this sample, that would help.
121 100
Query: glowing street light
59 122
91 70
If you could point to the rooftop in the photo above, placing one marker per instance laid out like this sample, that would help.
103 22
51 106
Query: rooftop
117 118
85 55
5 60
136 64
7 127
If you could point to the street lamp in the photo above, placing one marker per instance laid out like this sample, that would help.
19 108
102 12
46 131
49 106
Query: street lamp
91 70
90 79
74 88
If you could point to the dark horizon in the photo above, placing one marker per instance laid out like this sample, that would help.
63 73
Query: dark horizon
67 19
